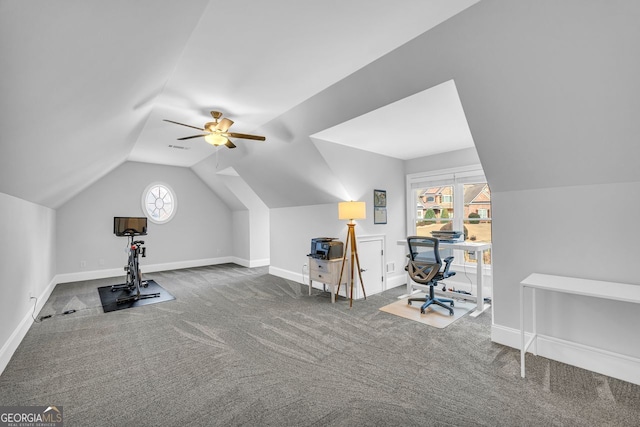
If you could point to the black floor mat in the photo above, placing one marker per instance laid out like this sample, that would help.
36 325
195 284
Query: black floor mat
109 298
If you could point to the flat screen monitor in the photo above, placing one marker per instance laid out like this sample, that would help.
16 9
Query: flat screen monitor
129 226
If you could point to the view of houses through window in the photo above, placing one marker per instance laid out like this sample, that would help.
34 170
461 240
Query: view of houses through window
459 206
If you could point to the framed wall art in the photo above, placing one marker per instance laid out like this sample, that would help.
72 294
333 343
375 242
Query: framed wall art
379 206
380 198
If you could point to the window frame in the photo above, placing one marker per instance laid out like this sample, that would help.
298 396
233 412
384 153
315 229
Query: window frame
174 202
455 177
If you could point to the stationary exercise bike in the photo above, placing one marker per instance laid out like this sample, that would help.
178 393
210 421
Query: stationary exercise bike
134 277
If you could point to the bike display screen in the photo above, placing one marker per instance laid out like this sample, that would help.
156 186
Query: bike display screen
129 226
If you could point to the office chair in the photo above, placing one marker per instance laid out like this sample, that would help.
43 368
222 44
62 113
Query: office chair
425 268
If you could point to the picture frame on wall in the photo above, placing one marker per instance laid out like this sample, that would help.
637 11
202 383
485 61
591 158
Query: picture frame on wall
379 215
379 206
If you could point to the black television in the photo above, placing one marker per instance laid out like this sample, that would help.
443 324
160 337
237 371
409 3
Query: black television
129 226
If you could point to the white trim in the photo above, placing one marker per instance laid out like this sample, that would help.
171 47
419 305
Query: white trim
398 279
250 263
286 274
393 281
145 268
174 201
455 175
383 267
460 171
259 262
16 337
616 365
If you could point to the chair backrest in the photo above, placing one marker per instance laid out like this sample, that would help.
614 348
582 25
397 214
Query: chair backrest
425 249
424 258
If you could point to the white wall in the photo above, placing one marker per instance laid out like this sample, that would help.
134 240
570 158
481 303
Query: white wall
292 230
451 159
584 231
241 236
27 267
200 230
257 220
359 172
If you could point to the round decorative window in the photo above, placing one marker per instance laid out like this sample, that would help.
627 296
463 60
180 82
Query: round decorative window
159 203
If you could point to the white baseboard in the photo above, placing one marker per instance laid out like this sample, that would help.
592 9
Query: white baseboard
392 281
259 262
11 345
289 275
593 359
396 280
145 268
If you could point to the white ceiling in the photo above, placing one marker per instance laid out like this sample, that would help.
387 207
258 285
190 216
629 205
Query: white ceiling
86 84
429 122
266 57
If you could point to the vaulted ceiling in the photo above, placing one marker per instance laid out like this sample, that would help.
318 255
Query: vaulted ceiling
86 84
548 89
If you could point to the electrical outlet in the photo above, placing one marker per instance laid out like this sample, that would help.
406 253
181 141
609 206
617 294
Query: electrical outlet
83 264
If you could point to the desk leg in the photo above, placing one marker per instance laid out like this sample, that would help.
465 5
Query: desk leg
480 305
310 286
534 329
410 290
522 349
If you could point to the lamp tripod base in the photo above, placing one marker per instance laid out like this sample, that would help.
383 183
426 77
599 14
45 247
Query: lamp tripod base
353 249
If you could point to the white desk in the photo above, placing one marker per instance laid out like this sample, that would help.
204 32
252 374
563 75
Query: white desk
477 248
568 285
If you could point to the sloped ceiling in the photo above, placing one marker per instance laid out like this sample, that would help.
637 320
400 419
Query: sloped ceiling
549 89
75 76
427 123
86 84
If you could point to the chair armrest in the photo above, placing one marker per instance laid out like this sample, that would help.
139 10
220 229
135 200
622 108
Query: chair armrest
447 262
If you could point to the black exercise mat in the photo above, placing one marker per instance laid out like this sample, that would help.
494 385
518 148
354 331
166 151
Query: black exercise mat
109 298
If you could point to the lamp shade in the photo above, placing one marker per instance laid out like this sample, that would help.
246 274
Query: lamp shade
352 210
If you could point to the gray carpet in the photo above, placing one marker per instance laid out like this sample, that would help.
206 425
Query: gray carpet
241 347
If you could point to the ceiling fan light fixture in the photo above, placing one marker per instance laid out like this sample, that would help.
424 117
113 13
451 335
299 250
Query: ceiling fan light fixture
224 125
216 132
215 139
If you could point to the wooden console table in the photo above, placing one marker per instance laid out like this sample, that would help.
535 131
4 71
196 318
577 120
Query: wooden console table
327 271
569 285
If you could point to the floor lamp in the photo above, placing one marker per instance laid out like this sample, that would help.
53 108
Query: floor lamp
351 211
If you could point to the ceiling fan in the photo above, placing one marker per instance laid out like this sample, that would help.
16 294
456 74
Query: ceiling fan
217 131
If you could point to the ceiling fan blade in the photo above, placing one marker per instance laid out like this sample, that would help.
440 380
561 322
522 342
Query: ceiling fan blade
224 125
230 144
182 124
189 137
245 136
